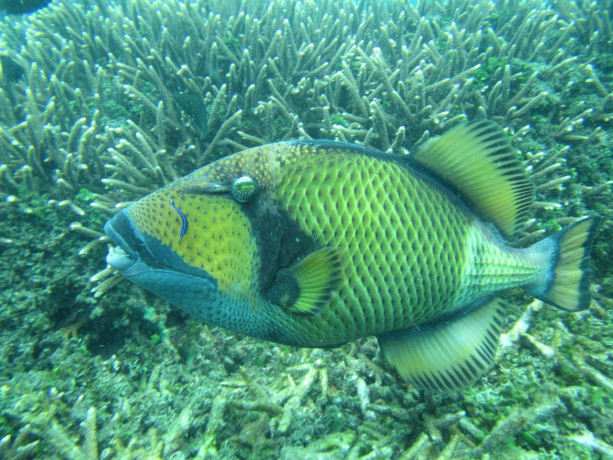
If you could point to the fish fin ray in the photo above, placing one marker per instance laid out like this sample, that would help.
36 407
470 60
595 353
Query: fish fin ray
569 283
477 160
318 275
448 356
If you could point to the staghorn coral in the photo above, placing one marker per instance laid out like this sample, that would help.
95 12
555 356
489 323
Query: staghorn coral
111 106
262 75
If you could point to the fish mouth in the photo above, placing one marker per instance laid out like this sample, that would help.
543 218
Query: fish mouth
149 263
120 230
134 252
119 259
137 253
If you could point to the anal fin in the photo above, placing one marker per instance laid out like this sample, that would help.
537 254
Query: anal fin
451 355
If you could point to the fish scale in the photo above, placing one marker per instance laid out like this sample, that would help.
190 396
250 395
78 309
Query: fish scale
389 243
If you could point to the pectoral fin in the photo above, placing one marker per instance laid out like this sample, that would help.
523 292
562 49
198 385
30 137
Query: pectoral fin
448 356
308 286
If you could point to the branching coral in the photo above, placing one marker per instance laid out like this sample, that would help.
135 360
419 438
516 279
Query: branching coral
133 100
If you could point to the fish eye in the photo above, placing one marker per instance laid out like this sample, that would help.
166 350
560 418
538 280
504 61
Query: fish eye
243 188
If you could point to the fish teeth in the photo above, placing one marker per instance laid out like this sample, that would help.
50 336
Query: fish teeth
118 258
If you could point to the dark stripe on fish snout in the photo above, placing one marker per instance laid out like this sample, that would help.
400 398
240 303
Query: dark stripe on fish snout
183 219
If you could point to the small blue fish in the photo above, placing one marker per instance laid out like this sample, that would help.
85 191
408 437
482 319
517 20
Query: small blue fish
183 219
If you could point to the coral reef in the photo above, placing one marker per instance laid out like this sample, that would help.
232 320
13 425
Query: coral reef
102 102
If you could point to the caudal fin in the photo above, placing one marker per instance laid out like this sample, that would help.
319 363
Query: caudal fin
569 281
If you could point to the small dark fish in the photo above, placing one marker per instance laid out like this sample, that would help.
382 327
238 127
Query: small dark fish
193 106
10 69
21 6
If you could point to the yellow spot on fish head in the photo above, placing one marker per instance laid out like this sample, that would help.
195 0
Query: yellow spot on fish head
206 231
201 216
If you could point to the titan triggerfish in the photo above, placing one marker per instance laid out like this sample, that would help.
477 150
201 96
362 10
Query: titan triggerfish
319 243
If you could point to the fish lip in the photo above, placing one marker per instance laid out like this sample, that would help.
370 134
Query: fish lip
122 256
119 259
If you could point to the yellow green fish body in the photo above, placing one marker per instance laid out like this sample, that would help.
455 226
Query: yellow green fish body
317 243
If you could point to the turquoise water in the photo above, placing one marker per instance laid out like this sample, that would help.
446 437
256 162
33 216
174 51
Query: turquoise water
104 102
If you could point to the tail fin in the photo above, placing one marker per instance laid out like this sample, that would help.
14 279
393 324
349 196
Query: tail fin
569 281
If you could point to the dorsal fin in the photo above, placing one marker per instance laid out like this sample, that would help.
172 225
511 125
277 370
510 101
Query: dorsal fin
478 161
